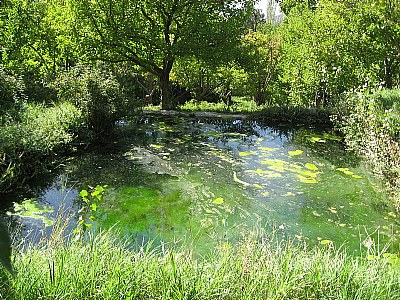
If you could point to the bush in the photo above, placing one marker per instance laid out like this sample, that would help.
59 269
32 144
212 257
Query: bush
97 93
12 96
40 132
371 125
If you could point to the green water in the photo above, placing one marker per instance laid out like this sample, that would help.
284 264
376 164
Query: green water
200 182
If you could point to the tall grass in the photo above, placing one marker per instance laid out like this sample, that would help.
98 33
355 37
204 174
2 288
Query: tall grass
103 267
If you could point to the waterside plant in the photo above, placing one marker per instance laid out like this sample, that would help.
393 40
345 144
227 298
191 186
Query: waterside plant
372 128
102 266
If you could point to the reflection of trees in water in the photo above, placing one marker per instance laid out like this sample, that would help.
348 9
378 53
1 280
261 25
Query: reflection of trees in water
331 149
33 188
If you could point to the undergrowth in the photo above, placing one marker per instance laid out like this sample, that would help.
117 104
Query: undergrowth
40 132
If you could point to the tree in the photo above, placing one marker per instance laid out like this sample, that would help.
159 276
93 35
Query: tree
260 56
379 21
288 5
36 35
153 34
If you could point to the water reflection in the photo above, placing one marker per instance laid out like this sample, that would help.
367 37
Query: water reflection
208 180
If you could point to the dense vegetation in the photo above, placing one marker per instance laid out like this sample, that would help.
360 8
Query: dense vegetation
259 267
70 69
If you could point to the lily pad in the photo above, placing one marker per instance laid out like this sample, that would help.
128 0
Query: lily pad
316 139
304 179
306 173
156 146
275 164
311 167
345 171
246 153
296 152
332 210
316 214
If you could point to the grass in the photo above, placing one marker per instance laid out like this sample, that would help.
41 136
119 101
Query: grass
271 115
103 267
238 105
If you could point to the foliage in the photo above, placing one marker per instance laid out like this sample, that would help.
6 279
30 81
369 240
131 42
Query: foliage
238 105
5 248
288 5
36 36
259 267
211 82
153 35
336 47
98 94
41 131
89 207
372 128
259 59
271 115
12 96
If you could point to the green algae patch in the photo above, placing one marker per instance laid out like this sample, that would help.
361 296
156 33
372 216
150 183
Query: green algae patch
30 208
219 201
295 152
311 167
275 164
246 153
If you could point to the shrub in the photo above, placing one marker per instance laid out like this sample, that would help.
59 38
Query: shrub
41 131
12 96
371 125
96 92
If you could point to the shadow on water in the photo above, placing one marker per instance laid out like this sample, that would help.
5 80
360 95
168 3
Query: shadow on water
204 181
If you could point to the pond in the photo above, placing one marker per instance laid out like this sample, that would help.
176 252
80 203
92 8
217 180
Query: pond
204 181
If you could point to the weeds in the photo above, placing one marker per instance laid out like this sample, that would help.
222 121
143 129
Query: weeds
101 266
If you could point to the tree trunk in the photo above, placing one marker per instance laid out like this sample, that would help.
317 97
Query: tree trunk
165 86
388 74
166 95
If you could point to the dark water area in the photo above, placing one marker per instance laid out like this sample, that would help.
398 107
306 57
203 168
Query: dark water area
202 182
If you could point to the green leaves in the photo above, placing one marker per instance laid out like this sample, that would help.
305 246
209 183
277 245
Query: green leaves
87 213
